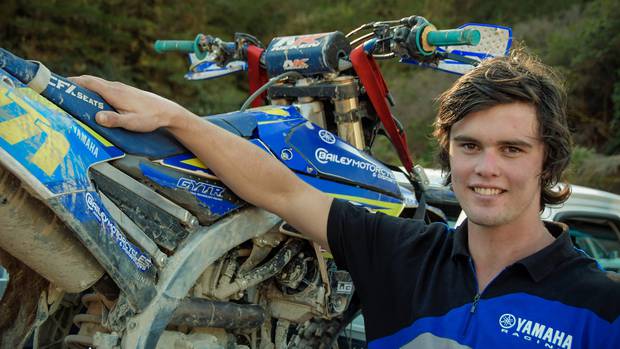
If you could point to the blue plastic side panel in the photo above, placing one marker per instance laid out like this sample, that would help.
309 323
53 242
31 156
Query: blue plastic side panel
306 148
55 148
57 151
88 209
363 197
273 130
334 157
211 195
190 163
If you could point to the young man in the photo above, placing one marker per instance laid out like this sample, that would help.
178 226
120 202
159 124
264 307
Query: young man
502 279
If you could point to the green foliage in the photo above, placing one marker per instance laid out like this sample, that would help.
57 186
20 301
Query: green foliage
592 169
585 46
113 39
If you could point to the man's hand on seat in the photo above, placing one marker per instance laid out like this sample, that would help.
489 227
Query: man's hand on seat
137 110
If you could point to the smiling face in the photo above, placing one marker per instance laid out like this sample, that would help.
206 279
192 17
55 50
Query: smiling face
496 158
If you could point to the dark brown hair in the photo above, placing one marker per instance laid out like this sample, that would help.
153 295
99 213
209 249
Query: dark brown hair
502 80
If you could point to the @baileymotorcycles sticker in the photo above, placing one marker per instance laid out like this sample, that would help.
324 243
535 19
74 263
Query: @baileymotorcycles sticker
323 156
142 261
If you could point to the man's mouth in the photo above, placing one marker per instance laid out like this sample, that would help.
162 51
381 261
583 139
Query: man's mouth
487 191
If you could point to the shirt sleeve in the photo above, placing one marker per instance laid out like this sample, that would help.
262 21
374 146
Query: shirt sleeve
371 247
357 236
384 256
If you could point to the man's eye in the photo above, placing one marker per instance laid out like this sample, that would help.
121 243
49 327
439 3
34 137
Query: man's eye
469 146
512 150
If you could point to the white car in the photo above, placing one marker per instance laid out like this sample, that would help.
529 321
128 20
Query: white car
593 217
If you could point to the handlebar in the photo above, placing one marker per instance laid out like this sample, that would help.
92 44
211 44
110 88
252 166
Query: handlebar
162 46
417 38
453 37
196 47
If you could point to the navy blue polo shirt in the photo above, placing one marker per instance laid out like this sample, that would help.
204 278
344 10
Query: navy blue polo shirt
418 288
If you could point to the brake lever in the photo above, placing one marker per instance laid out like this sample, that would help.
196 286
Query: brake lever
458 58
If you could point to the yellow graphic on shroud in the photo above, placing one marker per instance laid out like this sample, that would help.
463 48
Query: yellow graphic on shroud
92 132
272 111
389 208
51 153
195 162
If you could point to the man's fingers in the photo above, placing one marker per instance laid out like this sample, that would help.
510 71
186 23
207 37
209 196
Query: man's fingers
88 81
109 119
129 121
101 86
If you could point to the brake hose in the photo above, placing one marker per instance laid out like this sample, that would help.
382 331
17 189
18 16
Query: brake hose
267 85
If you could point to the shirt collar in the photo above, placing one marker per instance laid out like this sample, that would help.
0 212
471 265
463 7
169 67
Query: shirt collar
460 246
543 262
538 265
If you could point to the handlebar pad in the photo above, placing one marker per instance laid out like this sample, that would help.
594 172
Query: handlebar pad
453 37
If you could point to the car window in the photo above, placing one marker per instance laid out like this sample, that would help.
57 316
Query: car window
597 236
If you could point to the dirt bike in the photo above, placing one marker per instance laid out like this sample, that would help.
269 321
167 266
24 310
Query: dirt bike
111 238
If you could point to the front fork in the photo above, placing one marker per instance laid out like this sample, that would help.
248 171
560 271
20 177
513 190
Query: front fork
348 118
4 280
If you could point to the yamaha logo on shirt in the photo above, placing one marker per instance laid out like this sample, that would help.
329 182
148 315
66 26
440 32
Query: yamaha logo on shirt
532 331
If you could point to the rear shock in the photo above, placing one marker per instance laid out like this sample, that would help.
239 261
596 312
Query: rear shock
89 322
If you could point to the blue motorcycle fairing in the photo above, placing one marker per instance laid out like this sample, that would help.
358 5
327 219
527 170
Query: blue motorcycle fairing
240 123
372 200
333 157
86 207
53 146
273 130
57 150
306 148
212 196
190 163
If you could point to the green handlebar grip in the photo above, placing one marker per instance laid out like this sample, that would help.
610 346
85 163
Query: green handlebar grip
162 46
453 37
185 46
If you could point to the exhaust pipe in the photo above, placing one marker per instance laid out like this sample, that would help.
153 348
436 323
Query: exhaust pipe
200 312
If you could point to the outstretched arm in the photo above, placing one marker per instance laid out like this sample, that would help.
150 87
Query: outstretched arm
250 172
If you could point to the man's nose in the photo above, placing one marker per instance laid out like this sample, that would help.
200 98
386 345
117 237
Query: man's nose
487 164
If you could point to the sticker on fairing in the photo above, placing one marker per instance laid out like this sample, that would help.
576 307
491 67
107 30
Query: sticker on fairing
139 259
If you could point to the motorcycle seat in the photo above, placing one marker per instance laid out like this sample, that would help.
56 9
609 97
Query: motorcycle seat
242 124
161 144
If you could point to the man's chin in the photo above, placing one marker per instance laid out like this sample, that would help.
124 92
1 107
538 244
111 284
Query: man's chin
487 221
